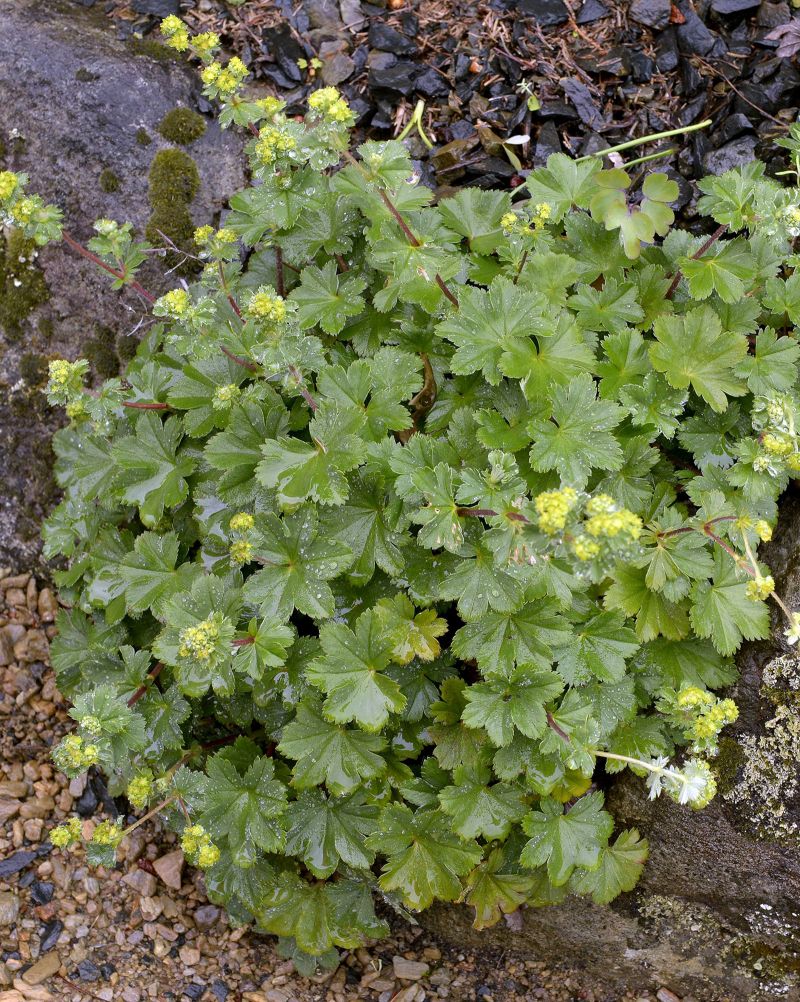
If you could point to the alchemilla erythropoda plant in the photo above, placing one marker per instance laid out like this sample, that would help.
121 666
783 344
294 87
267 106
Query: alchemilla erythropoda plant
410 522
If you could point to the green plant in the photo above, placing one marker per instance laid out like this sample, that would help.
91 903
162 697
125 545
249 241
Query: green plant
395 542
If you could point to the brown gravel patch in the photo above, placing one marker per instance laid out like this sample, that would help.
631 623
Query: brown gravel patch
145 930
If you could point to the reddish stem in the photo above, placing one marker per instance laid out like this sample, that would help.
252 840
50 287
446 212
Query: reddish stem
85 252
240 361
280 280
140 406
312 403
698 253
146 685
554 726
244 641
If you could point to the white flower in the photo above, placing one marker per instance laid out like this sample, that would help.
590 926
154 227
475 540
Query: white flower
655 780
698 786
793 633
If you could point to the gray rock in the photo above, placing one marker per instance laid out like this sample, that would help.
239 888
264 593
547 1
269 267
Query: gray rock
733 154
715 914
74 102
653 13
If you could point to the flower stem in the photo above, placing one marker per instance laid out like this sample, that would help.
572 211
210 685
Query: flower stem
646 139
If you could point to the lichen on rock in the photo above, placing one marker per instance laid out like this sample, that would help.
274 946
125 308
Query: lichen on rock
770 772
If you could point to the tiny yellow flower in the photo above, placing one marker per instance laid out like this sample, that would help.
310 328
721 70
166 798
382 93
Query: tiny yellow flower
199 641
585 548
271 106
760 588
242 521
264 305
328 103
241 551
203 234
205 43
108 833
207 856
694 698
509 221
225 397
776 446
66 835
175 303
8 185
764 530
22 210
553 507
140 790
91 725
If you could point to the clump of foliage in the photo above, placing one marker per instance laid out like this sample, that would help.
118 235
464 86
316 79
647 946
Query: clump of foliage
395 541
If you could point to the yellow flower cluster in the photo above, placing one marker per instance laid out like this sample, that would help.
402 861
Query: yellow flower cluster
108 833
760 588
271 106
72 753
709 724
225 79
60 372
242 521
22 210
606 520
199 641
764 530
91 725
329 104
176 302
8 185
205 43
776 446
203 234
585 548
264 305
694 698
225 396
140 789
63 836
272 143
76 409
198 847
553 507
241 551
176 33
539 215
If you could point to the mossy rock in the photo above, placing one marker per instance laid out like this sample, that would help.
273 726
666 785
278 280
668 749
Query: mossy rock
22 283
174 182
155 50
173 179
182 126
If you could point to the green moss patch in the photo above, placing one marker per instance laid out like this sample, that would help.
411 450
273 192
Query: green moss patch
182 126
109 181
173 184
22 282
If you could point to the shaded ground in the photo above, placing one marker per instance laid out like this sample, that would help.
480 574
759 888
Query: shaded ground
145 930
601 71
